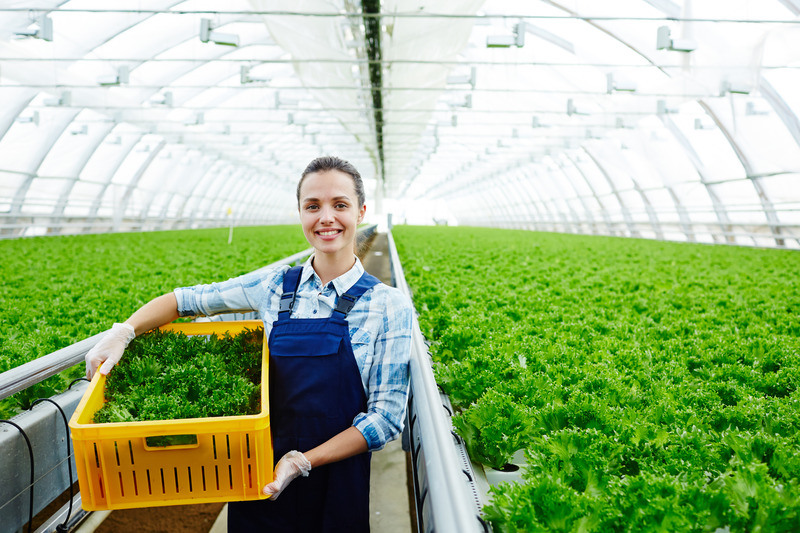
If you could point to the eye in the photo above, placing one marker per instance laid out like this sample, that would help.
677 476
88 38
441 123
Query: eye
310 207
342 205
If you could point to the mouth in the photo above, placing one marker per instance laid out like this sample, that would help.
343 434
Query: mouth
328 232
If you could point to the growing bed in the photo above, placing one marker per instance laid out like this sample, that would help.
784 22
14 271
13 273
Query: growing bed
651 385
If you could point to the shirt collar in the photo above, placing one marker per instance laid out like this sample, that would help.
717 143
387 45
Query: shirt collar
342 283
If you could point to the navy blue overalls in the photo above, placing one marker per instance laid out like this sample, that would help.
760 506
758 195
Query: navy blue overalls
315 392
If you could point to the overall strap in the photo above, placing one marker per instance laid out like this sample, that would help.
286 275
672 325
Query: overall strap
291 281
349 298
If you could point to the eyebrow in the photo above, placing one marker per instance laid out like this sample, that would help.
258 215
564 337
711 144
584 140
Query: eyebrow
335 199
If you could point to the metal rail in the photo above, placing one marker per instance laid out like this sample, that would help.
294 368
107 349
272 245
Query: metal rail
447 497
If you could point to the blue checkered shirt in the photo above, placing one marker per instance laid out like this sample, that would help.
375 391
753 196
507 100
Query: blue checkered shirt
380 332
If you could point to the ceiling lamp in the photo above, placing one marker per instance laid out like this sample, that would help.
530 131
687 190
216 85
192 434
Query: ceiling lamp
245 77
572 109
733 87
618 85
165 99
461 79
123 76
207 34
65 100
507 41
42 28
665 42
32 119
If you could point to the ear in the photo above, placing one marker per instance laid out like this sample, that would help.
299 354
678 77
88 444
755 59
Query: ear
361 212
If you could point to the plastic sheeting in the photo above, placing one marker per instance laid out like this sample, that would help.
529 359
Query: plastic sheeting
672 119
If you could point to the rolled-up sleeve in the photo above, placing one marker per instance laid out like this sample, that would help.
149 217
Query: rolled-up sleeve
240 294
389 376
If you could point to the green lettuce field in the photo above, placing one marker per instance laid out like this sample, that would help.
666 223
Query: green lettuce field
59 290
652 385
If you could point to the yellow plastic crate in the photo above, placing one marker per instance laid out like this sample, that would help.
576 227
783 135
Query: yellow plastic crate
120 466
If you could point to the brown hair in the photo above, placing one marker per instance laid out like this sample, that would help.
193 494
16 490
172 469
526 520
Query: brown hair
329 162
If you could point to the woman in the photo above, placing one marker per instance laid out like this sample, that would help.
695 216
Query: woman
339 343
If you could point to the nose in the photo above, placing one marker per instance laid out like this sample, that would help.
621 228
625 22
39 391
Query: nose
326 214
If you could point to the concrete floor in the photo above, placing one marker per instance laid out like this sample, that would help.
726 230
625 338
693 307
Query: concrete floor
389 501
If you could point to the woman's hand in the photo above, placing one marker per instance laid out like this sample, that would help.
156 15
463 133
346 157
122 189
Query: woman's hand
109 350
291 466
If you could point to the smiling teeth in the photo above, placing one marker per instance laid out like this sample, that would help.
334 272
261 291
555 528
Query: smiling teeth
332 232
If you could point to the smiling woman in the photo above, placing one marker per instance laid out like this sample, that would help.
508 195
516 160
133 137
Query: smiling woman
330 197
330 397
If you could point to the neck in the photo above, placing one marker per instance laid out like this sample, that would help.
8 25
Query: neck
329 268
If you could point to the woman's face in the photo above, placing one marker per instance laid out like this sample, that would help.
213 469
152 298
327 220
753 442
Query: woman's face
329 212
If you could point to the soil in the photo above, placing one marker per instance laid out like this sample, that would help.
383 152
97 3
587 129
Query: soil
171 519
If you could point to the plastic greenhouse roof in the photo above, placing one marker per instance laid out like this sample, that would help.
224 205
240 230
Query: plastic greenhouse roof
667 119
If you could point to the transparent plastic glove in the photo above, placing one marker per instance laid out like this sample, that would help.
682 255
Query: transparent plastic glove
291 465
109 350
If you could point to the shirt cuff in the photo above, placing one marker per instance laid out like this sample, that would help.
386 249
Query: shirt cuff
183 297
377 431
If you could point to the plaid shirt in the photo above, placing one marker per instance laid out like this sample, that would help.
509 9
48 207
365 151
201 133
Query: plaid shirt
380 332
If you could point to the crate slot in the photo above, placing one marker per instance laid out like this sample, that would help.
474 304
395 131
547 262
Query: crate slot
135 485
96 456
249 476
216 474
130 447
230 475
214 445
149 485
203 475
247 440
116 453
228 443
163 485
190 478
121 485
100 484
177 487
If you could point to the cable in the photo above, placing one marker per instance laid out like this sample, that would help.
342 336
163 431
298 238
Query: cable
69 387
63 527
30 453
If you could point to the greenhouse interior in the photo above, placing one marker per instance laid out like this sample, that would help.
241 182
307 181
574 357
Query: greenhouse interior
591 210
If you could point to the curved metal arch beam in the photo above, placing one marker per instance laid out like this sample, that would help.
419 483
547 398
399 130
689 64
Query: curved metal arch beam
152 195
182 73
509 214
205 174
219 200
522 208
484 193
575 223
548 217
185 176
605 215
58 212
782 109
112 170
498 211
590 218
522 189
683 217
766 203
719 209
131 186
39 156
626 214
648 206
210 173
22 106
